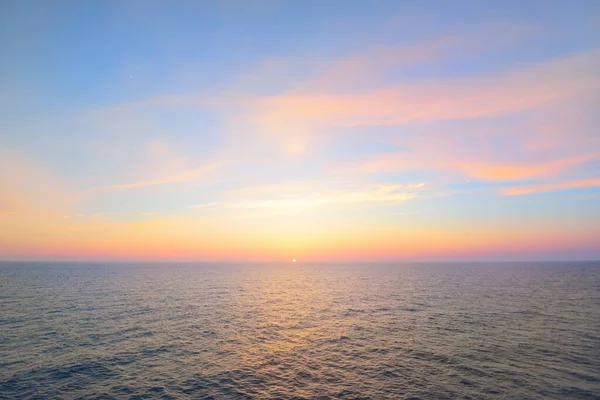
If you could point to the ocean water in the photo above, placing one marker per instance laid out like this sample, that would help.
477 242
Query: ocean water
276 331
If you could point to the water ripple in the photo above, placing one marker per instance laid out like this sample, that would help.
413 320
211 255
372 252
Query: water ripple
124 331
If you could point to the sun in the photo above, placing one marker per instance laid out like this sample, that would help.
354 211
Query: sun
294 260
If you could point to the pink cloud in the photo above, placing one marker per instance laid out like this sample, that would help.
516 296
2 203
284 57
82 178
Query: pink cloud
551 187
429 101
185 176
372 62
447 156
516 171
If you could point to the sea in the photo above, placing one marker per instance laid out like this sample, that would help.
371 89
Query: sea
300 331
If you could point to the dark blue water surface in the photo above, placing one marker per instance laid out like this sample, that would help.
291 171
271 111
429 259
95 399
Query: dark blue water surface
275 331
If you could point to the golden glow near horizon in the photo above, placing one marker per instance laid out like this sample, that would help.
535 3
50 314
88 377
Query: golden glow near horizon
391 142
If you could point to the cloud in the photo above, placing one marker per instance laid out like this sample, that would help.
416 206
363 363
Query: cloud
185 176
551 187
469 155
369 65
377 194
350 91
518 171
428 101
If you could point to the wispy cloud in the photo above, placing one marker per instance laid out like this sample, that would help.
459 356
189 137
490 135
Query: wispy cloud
185 176
368 65
312 111
517 171
450 160
551 187
373 195
419 102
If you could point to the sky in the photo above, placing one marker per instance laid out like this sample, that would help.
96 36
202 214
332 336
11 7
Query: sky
315 130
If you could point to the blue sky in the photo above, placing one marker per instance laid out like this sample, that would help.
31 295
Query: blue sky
125 124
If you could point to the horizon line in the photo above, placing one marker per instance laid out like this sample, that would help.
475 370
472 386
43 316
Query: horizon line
448 261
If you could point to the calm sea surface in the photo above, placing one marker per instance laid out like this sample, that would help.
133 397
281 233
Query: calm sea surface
163 331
